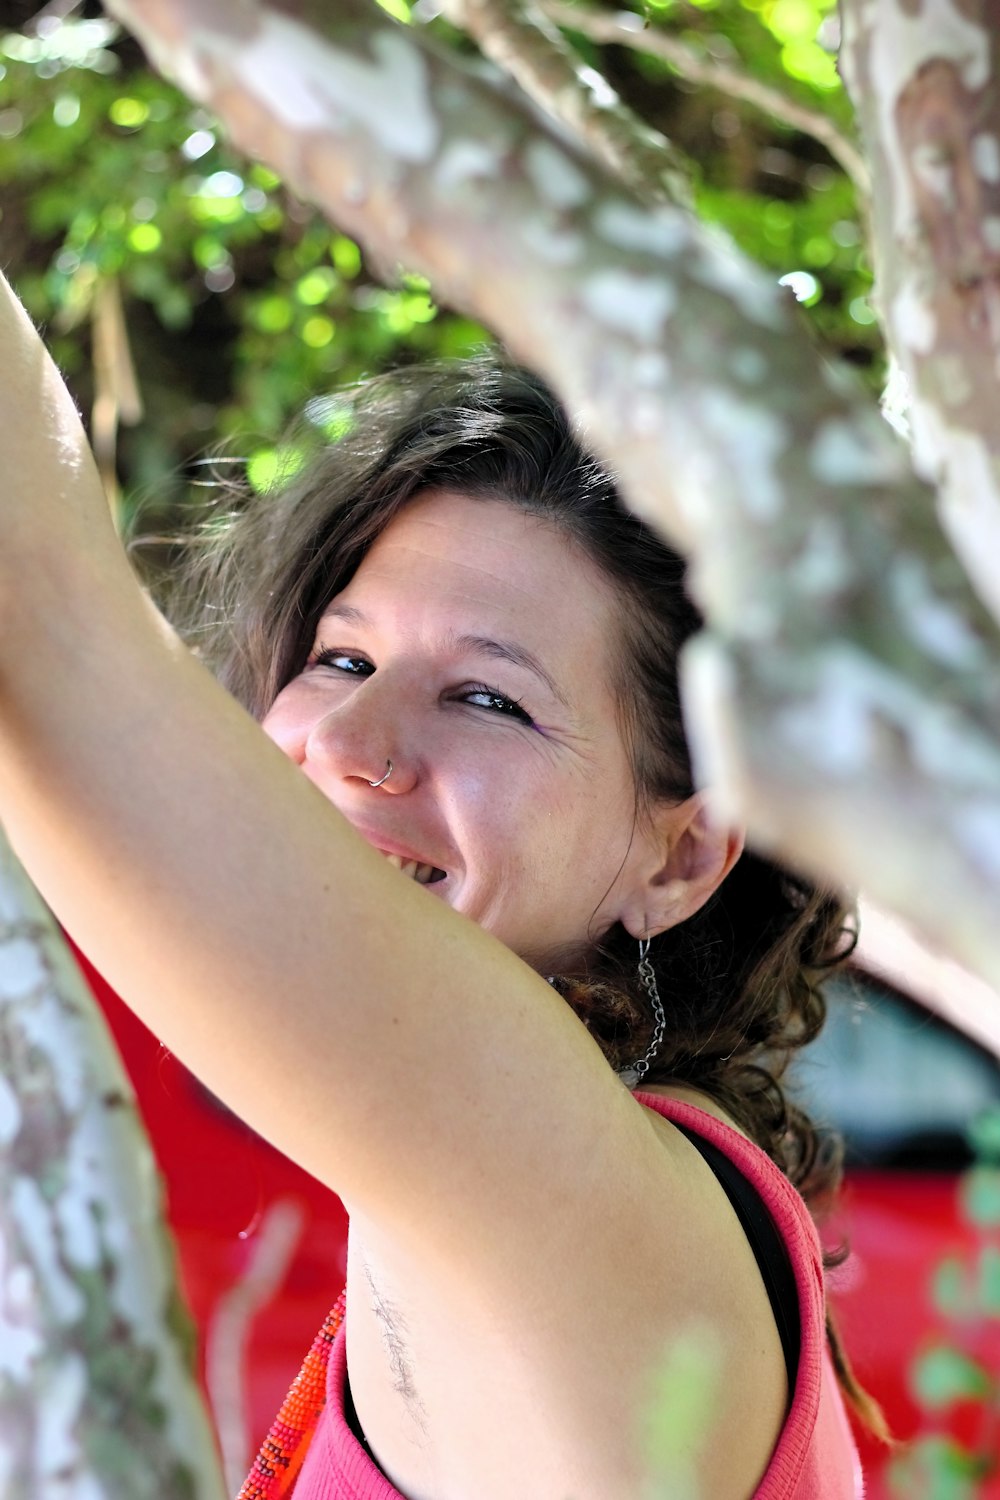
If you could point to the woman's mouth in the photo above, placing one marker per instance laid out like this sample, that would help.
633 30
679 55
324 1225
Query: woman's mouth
422 874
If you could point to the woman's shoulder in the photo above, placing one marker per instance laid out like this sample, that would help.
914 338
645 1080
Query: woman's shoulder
668 1106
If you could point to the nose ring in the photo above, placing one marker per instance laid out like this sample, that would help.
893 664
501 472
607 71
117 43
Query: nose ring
385 777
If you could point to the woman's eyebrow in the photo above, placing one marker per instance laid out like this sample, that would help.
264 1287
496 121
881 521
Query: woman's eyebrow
518 656
344 612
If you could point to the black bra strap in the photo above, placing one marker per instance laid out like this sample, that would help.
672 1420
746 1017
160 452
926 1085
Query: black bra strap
351 1418
766 1244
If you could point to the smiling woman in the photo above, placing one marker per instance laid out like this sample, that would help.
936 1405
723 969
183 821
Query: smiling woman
464 650
454 588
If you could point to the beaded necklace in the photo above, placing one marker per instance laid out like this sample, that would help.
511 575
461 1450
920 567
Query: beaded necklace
276 1466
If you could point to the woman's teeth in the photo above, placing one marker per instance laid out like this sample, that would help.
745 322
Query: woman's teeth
422 874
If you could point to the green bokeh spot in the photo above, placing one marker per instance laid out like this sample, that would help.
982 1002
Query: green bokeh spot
778 221
209 253
950 1288
263 177
145 238
680 1415
461 337
979 1196
346 256
818 251
944 1375
810 63
129 114
318 331
315 286
989 1281
213 209
794 20
274 313
935 1468
398 9
984 1135
269 468
332 417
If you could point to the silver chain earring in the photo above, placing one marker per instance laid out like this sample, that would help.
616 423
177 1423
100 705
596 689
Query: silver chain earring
634 1075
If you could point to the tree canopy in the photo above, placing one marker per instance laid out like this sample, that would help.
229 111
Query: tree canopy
142 240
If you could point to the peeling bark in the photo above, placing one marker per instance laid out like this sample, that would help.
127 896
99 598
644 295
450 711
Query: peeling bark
97 1397
524 42
924 83
846 697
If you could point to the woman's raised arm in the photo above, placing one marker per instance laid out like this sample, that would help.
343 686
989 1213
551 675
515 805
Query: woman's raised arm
53 509
343 1010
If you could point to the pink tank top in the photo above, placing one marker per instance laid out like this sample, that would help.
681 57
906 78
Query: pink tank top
815 1457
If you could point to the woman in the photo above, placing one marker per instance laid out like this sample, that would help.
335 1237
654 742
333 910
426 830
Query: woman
407 938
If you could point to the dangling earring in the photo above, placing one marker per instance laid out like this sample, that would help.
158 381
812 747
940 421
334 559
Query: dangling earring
634 1075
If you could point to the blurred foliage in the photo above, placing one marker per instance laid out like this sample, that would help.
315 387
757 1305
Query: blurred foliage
953 1379
684 1391
243 305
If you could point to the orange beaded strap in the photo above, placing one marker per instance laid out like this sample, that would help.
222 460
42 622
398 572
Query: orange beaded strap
276 1466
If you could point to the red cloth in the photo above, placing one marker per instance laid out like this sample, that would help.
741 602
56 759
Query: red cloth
815 1457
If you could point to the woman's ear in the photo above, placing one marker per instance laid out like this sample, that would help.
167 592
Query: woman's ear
687 856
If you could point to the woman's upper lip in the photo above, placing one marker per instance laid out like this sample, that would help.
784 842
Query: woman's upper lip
385 843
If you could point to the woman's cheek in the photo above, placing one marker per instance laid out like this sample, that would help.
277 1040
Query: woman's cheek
287 732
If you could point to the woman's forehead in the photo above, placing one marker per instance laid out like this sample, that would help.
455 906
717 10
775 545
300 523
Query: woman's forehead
483 555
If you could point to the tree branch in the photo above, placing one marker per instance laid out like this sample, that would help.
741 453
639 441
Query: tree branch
276 1240
96 1393
845 698
521 39
929 109
626 29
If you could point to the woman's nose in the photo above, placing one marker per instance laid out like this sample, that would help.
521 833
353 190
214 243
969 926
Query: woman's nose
357 739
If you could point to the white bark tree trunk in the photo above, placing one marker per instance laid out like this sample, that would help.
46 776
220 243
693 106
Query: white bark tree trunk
97 1395
845 699
924 84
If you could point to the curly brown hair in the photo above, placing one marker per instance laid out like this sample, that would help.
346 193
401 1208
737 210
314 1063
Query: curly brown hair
740 977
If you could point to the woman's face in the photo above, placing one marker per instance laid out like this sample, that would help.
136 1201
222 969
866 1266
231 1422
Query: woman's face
475 648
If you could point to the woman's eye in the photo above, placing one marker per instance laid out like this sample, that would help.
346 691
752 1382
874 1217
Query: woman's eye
342 661
497 702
